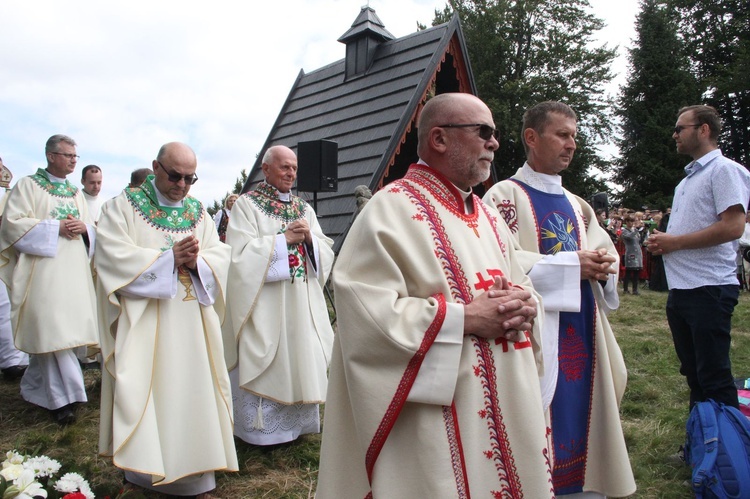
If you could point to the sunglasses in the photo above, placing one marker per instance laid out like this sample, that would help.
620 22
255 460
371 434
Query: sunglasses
486 132
176 177
680 128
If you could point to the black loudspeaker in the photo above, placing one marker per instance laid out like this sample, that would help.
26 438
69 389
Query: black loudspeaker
318 166
600 200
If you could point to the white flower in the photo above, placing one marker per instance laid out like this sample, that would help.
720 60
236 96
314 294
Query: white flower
12 471
86 490
73 482
68 483
42 465
28 487
12 458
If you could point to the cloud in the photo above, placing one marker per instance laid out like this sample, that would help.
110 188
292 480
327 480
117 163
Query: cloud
124 77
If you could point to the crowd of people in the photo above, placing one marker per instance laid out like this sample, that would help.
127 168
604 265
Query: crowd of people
629 229
473 354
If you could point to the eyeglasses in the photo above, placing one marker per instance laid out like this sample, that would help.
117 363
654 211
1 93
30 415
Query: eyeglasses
176 177
486 132
67 155
680 128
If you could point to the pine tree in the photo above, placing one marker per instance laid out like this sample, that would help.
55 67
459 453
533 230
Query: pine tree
658 85
527 51
717 37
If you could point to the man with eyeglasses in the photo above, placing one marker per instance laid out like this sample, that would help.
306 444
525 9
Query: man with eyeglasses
277 311
46 240
573 264
433 386
700 249
166 407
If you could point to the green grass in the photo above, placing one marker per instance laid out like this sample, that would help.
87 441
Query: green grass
655 406
654 411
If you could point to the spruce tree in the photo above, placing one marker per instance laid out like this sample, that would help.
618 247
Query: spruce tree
659 83
527 51
717 37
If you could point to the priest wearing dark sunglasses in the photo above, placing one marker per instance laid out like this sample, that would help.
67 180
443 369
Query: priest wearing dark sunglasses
166 415
573 264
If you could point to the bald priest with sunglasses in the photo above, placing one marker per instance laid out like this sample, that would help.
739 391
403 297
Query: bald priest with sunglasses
572 263
166 415
433 384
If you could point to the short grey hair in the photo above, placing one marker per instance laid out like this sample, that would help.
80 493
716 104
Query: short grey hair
54 141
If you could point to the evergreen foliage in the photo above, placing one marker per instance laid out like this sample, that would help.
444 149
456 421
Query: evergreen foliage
659 83
717 38
527 51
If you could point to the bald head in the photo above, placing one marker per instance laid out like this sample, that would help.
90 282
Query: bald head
280 167
457 151
174 162
176 150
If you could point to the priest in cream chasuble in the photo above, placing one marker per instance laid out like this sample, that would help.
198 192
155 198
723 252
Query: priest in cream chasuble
276 308
45 265
585 375
166 415
473 425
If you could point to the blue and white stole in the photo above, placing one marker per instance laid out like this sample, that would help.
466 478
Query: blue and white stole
570 410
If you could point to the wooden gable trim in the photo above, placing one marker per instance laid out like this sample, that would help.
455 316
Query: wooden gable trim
464 85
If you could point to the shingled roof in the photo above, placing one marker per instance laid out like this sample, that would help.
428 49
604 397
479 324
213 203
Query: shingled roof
368 104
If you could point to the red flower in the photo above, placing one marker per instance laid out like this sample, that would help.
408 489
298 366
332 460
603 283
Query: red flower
293 261
74 495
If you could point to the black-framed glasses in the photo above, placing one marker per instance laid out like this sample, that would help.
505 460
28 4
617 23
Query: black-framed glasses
680 128
175 177
486 132
67 155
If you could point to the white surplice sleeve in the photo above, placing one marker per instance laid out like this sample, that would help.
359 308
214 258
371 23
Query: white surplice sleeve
436 381
41 240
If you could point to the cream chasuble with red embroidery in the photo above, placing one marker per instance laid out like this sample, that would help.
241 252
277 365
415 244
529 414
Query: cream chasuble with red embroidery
410 254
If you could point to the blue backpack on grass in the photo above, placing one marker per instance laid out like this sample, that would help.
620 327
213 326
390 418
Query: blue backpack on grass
718 450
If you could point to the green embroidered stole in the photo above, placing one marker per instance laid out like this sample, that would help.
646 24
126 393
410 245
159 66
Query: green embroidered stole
266 198
169 218
64 190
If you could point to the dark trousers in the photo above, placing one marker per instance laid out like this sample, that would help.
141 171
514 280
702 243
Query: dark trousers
631 275
700 320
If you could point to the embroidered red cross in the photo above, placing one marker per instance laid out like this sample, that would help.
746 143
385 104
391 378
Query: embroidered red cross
486 284
517 345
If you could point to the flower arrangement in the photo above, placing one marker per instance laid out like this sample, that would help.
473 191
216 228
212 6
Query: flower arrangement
31 477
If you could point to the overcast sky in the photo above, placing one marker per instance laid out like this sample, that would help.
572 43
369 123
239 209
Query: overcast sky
124 77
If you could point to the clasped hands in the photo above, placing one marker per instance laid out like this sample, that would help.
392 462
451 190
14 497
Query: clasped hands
297 232
596 264
71 227
186 252
501 312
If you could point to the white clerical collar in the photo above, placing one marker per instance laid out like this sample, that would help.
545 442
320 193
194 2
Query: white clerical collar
551 184
164 201
57 180
465 195
89 196
284 196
